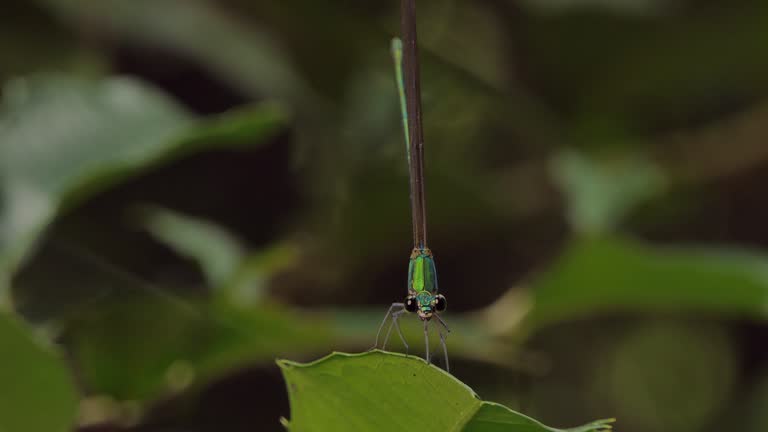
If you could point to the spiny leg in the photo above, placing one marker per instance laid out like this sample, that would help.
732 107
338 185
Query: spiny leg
395 317
389 331
394 323
426 339
445 349
384 321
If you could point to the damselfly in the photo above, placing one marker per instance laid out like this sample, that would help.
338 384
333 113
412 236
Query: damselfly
422 297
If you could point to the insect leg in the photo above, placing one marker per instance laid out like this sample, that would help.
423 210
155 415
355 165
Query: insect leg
384 321
445 350
395 317
426 339
394 323
389 331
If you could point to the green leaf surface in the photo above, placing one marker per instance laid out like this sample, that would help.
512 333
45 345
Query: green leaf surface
381 391
599 275
37 393
62 140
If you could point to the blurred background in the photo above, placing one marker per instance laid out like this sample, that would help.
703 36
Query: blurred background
191 189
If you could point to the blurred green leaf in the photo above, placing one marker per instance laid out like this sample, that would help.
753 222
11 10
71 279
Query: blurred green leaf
37 393
242 55
214 248
249 282
379 391
653 384
62 140
648 73
237 275
600 275
601 192
151 346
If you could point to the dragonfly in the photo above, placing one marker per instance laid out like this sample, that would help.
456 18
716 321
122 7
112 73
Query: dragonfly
422 297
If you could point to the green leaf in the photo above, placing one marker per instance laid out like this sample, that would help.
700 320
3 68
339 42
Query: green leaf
380 391
600 193
62 140
247 58
248 285
145 347
37 393
56 133
599 275
214 248
239 276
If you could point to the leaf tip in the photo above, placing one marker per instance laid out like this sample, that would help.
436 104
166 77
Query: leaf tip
603 425
285 364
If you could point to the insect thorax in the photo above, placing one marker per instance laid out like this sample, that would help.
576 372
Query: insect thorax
422 275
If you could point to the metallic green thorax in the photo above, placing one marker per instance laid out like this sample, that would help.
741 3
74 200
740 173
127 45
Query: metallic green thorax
422 275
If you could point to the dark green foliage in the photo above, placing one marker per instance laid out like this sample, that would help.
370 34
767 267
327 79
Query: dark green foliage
38 392
192 188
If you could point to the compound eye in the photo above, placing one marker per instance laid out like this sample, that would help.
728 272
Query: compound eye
411 304
440 303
